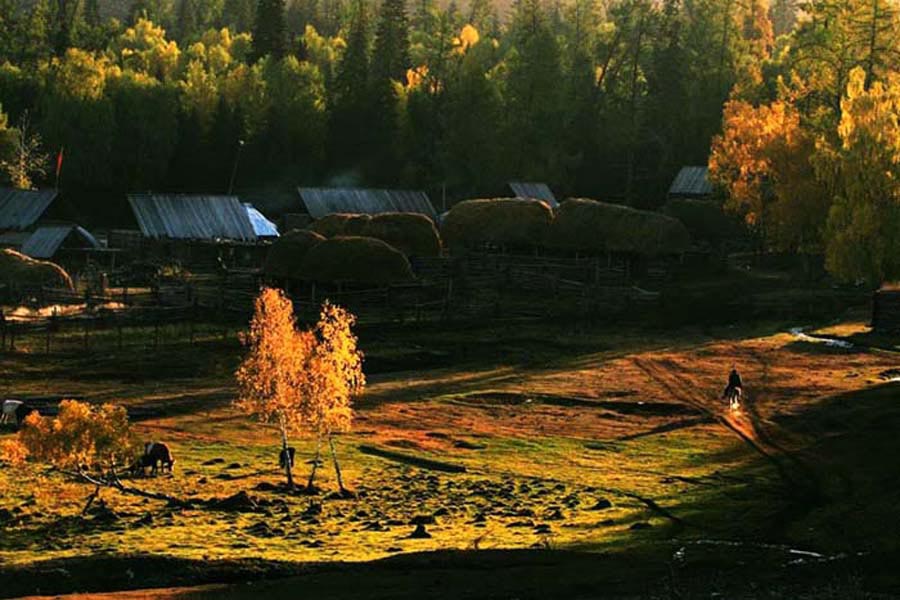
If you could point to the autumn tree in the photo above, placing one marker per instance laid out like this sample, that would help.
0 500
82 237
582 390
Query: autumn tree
865 174
272 378
336 377
90 443
763 160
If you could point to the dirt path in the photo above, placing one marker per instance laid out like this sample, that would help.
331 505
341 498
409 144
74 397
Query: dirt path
798 476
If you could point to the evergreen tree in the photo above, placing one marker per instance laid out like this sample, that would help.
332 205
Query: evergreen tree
349 127
533 96
270 29
390 60
238 15
36 34
92 16
9 28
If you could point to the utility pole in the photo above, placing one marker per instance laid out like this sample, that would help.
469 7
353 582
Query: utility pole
237 159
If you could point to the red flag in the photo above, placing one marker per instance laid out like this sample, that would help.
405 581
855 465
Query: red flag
59 162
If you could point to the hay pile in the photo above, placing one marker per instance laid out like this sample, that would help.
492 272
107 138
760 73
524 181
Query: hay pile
354 259
412 234
704 219
591 226
340 224
503 221
287 252
18 269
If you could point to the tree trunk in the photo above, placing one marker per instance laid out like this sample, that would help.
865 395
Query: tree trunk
288 467
337 466
315 465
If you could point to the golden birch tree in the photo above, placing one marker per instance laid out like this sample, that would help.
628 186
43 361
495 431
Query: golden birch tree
335 378
272 379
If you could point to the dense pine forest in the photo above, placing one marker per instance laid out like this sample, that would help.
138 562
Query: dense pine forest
599 98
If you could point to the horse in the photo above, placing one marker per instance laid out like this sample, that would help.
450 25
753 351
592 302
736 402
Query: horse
733 394
156 456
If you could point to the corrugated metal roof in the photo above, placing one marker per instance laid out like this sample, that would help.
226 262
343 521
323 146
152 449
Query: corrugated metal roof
262 227
188 217
692 182
19 209
321 202
534 191
46 241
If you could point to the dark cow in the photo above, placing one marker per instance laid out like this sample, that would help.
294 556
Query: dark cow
22 413
156 456
285 455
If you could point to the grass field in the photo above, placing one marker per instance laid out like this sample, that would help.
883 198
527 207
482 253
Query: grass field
596 455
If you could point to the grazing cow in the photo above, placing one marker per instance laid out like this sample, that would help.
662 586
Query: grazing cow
22 413
285 455
156 456
9 411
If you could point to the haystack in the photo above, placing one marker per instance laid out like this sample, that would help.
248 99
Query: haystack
341 224
411 233
18 269
287 252
355 259
592 226
504 221
704 219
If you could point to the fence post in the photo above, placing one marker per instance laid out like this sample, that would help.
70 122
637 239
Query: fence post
192 317
3 330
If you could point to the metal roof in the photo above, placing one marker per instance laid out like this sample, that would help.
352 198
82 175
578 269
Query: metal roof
692 182
534 191
262 227
19 209
189 217
46 241
321 202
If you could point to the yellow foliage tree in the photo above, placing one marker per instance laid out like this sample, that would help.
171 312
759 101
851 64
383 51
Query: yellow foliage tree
300 380
764 161
271 379
865 175
336 377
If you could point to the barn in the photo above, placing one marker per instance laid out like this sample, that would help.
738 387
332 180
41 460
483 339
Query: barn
534 191
199 230
691 183
21 209
321 202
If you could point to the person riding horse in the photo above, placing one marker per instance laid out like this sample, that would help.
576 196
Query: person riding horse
735 388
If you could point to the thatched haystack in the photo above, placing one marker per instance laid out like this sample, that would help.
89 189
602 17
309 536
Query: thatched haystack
592 226
355 259
19 269
341 224
704 219
287 252
411 233
503 221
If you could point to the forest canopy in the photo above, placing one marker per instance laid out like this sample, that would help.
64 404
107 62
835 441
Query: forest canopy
791 103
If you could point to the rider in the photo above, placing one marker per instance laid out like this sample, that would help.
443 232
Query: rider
734 382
